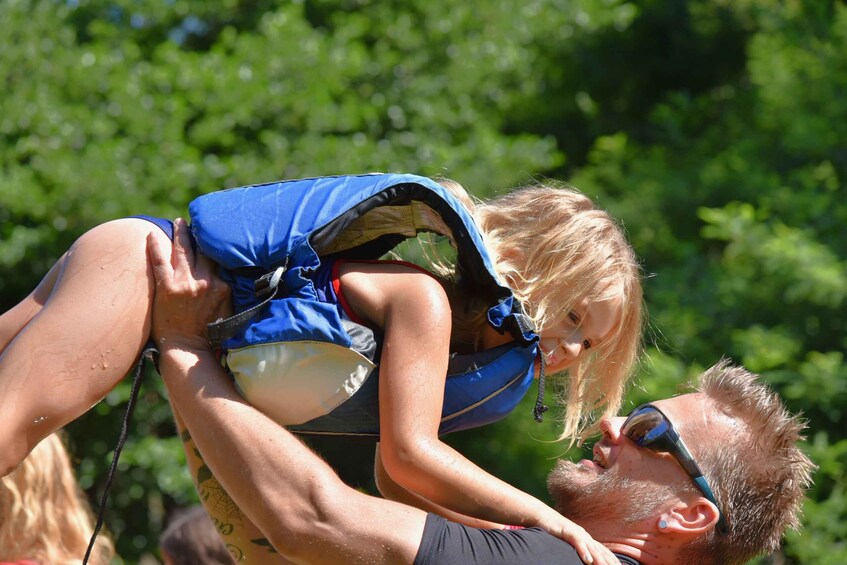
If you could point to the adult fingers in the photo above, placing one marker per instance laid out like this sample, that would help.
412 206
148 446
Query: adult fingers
199 269
204 268
183 255
160 260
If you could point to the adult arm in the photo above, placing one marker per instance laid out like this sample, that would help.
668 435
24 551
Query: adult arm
245 542
294 497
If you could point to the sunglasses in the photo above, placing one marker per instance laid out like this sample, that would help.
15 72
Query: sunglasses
648 427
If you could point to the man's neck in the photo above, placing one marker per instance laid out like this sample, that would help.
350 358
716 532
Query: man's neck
646 549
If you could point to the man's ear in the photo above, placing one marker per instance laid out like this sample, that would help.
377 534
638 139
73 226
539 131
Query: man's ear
695 518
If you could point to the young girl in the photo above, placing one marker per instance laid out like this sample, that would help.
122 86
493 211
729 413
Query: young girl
569 267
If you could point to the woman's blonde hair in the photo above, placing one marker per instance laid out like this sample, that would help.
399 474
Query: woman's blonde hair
44 515
555 248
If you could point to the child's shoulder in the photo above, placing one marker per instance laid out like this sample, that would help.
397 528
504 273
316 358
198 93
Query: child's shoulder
406 265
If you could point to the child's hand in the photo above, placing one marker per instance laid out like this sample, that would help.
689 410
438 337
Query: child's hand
589 550
188 293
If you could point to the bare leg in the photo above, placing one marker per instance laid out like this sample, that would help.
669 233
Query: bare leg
13 321
67 344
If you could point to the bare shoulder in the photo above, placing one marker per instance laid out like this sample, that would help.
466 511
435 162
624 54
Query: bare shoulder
392 277
372 289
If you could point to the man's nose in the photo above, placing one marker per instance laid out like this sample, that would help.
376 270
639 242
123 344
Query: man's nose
611 429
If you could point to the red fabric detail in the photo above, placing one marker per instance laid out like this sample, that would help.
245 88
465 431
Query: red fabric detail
336 286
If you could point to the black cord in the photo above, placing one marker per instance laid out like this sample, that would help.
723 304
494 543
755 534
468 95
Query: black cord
130 408
540 407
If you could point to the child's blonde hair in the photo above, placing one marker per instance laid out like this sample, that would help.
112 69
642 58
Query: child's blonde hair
555 248
44 516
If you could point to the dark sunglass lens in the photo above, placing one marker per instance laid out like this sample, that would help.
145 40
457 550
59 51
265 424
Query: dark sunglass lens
644 425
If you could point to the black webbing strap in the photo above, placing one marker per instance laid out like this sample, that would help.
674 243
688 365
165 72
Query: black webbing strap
540 407
148 353
525 325
267 287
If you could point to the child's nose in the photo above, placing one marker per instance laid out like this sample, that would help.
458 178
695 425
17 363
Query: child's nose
572 345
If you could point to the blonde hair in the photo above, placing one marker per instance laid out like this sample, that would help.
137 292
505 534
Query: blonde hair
761 482
44 515
554 248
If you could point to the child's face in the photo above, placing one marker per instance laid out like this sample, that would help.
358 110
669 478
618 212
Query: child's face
585 327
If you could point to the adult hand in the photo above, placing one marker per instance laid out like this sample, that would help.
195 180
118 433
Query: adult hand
188 293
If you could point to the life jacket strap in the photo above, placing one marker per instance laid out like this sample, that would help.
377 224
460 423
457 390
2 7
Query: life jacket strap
540 408
522 323
266 288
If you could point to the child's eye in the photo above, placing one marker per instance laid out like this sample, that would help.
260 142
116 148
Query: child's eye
586 344
573 317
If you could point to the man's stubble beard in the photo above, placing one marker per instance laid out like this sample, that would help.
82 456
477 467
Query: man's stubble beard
608 498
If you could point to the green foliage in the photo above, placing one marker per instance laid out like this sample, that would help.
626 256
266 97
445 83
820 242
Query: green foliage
715 130
736 201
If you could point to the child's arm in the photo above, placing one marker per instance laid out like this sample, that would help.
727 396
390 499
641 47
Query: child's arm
390 490
414 313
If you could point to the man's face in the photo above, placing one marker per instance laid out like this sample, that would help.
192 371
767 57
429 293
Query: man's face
625 484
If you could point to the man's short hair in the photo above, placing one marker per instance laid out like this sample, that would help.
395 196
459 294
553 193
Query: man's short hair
758 472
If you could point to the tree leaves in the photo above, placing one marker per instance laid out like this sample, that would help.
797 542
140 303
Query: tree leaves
715 131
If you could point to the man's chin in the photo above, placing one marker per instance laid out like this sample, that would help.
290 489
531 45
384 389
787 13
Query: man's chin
568 481
585 493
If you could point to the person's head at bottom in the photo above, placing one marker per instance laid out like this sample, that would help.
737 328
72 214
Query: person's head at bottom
191 538
712 477
44 515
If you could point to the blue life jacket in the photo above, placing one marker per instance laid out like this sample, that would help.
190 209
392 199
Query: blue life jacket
269 238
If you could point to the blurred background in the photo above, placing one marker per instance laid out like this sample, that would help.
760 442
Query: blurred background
716 130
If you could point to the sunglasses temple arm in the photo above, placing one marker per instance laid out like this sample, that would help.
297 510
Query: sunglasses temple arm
693 469
686 459
707 491
704 486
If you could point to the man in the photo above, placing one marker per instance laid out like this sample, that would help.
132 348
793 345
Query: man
711 477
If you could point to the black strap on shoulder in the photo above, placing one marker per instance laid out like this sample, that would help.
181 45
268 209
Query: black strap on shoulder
148 353
267 287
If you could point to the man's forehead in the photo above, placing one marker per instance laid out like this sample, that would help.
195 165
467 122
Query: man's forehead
686 409
696 410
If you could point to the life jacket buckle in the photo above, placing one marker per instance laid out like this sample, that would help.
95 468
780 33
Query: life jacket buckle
266 288
267 284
